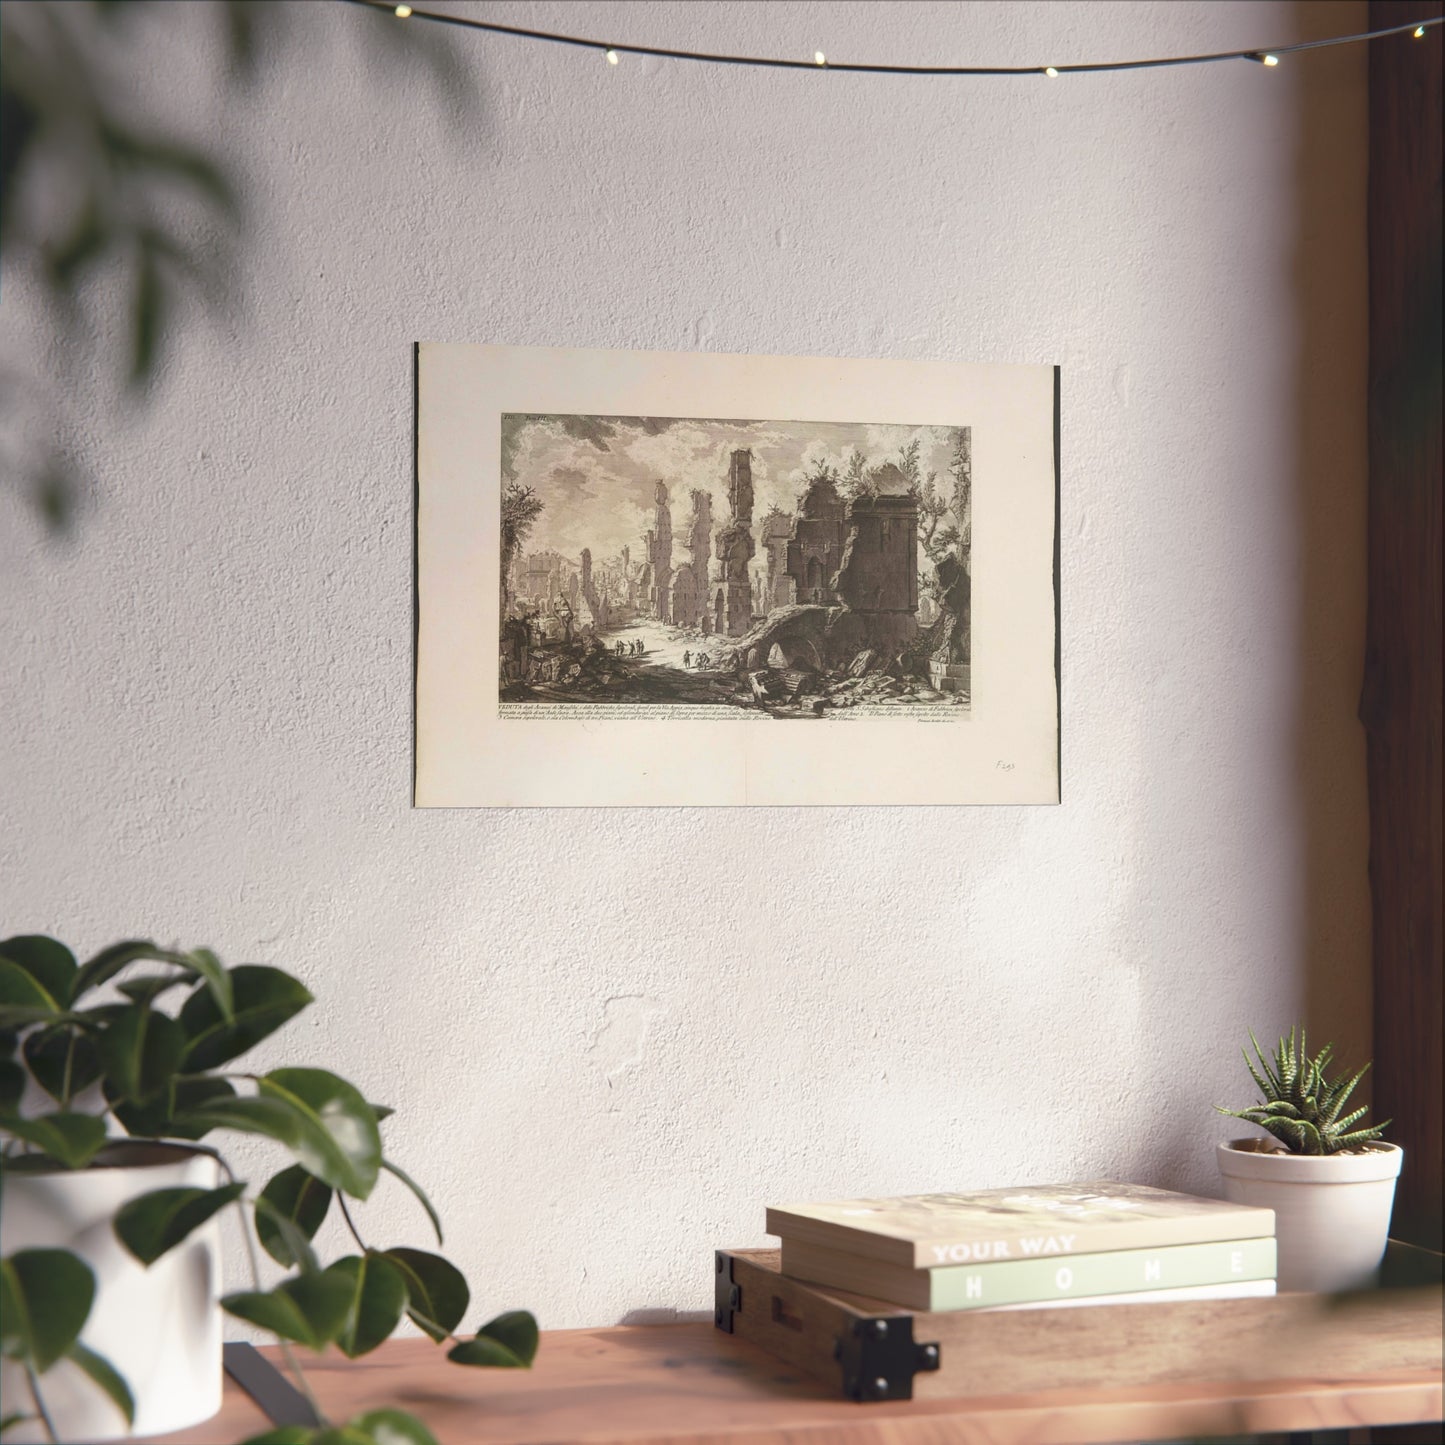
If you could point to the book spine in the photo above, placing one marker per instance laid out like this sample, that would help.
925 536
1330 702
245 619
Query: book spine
1117 1272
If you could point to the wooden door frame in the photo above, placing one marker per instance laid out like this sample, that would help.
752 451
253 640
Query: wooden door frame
1401 697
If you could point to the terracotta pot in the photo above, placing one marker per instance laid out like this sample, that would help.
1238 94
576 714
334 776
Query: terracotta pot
1331 1211
160 1327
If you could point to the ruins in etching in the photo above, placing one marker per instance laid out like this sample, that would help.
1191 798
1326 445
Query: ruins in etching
780 569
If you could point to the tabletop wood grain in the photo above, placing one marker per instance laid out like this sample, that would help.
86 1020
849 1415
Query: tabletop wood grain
693 1385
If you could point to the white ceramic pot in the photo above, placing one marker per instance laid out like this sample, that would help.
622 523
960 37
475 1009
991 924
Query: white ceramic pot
1331 1211
160 1327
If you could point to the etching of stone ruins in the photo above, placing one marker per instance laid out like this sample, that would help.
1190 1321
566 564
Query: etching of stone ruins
786 569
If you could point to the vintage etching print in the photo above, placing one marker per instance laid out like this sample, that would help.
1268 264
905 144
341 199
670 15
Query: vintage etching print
650 572
754 569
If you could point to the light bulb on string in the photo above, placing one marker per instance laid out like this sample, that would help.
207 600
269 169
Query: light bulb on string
1260 57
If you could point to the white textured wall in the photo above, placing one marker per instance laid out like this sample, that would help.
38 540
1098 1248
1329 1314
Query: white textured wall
612 1037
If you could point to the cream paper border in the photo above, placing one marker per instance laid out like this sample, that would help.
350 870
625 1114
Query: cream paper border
1005 751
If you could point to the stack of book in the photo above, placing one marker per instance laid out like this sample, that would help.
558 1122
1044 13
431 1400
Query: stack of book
1031 1247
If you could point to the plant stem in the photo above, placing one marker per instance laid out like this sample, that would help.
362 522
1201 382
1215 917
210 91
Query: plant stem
65 1080
291 1361
39 1403
346 1215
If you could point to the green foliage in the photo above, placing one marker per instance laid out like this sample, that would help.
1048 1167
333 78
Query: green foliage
120 226
146 1057
152 1224
437 1294
509 1341
296 1197
376 1427
378 1296
1302 1107
45 1296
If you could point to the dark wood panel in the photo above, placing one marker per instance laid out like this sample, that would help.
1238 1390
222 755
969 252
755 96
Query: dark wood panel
1401 701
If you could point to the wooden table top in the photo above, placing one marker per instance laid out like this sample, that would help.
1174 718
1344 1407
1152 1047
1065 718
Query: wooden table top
694 1385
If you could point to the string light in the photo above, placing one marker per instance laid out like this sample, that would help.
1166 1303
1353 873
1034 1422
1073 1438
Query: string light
1259 55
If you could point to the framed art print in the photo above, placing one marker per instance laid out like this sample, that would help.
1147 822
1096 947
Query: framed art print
668 578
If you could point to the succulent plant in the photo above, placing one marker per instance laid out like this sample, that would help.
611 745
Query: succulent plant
1301 1107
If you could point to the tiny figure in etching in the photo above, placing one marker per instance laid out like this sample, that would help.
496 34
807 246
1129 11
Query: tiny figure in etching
687 659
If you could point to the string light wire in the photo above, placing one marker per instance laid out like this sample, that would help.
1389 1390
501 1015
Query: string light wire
1269 55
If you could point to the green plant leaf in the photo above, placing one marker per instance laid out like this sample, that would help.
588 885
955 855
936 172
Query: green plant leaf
12 1086
507 1342
269 1117
341 1435
437 1293
48 1052
50 964
284 1435
210 968
109 962
148 989
23 999
104 1374
14 1325
310 1310
1360 1136
264 998
392 1427
378 1296
164 1117
141 1051
11 1421
151 1224
416 1189
298 1197
187 1094
382 1111
73 1139
96 1019
296 1243
340 1143
45 1299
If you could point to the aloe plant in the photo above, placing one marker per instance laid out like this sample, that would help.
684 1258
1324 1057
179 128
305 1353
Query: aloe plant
1302 1108
169 1075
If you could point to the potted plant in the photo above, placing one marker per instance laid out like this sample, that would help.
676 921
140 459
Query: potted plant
112 1084
1331 1185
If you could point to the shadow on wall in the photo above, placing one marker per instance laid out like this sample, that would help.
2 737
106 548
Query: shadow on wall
1327 910
91 190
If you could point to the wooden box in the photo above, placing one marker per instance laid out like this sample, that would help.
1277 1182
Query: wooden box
871 1350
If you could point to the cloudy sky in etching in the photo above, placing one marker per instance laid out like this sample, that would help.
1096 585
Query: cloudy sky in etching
596 475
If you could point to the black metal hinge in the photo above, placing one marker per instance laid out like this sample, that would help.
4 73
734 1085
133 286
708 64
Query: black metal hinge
727 1296
880 1358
